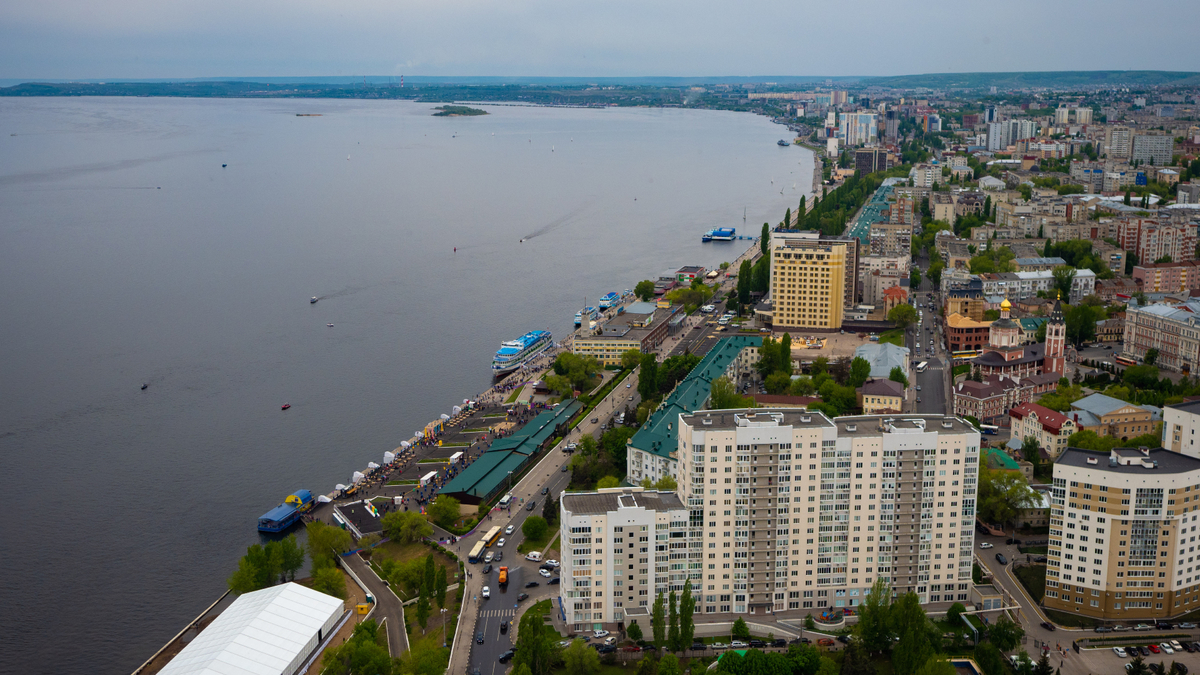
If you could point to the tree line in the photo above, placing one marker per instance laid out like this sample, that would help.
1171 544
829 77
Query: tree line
278 561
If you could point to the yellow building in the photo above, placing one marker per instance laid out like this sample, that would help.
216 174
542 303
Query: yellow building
881 397
808 280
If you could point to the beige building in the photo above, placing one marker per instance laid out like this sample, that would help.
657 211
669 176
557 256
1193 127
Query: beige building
1119 538
809 277
881 397
1050 427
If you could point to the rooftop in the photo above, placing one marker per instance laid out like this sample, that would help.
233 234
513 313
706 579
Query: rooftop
1130 460
759 417
614 499
883 356
877 425
878 387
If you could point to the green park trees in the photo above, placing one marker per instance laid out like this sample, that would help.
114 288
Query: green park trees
860 370
537 648
897 375
902 315
1002 495
579 659
724 396
644 290
535 528
443 510
410 526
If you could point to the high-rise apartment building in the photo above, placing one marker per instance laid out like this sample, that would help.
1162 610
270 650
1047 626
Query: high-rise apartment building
859 128
870 160
1119 534
812 279
786 510
1181 421
1152 239
1153 148
891 125
1120 142
997 136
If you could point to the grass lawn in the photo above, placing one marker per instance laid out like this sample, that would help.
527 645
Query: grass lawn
894 336
1070 620
412 481
512 398
433 461
962 370
495 416
432 634
1033 578
528 544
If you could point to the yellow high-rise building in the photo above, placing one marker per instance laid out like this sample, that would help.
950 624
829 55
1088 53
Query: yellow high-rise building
809 280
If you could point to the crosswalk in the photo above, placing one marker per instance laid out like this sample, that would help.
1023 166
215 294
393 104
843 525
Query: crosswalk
496 612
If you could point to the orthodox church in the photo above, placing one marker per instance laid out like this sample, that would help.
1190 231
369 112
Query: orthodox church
1005 355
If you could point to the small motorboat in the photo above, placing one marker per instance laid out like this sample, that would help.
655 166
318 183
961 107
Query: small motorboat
224 165
144 385
313 301
286 406
329 324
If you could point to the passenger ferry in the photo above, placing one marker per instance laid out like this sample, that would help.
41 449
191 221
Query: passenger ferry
609 300
515 353
288 513
589 312
719 234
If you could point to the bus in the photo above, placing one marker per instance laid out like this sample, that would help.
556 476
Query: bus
966 354
476 553
1124 360
989 429
922 366
491 536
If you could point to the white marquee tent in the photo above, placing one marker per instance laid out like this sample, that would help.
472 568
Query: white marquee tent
267 632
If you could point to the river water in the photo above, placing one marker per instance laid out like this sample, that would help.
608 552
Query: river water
129 255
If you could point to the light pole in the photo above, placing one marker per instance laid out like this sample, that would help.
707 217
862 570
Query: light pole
443 610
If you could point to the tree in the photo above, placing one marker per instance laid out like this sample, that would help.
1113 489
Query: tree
989 659
912 626
290 556
644 290
1043 666
805 659
1064 276
360 655
1002 495
648 379
673 620
1151 356
874 621
634 631
936 666
631 358
325 542
330 581
536 648
441 586
669 665
777 383
724 396
860 370
535 528
740 630
580 659
1138 667
408 526
764 240
443 510
430 575
856 661
687 625
423 607
1005 633
608 482
902 315
247 578
658 621
1031 451
897 375
785 354
954 614
745 279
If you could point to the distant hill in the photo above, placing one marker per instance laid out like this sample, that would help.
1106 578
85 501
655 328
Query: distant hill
1049 79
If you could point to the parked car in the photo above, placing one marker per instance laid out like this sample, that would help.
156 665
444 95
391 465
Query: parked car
553 582
607 649
1187 625
487 569
509 530
522 596
1163 625
1154 649
1049 626
1166 648
610 640
599 633
1102 629
800 641
985 545
1142 626
545 573
1119 652
1143 651
552 563
719 645
1156 668
779 642
1001 559
487 592
757 644
738 644
532 584
699 646
1117 628
825 642
844 639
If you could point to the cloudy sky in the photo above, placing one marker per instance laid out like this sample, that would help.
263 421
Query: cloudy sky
217 38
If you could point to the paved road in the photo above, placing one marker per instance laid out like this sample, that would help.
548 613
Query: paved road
386 604
935 382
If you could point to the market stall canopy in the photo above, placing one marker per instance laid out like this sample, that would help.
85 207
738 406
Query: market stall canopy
445 416
323 499
389 457
372 465
456 409
357 477
339 487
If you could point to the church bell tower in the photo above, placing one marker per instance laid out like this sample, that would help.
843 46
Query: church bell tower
1056 340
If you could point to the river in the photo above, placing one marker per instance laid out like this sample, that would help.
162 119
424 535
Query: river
129 254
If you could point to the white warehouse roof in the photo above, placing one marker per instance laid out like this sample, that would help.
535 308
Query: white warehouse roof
267 632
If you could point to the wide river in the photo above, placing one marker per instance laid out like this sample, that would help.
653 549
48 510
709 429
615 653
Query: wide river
129 254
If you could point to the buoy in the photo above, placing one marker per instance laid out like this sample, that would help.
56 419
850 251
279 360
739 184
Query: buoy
224 165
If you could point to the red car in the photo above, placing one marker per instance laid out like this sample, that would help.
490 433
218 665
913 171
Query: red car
825 642
1153 648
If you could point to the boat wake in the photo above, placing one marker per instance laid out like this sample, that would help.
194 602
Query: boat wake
553 225
349 290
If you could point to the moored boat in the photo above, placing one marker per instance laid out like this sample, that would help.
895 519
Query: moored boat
516 353
609 300
286 514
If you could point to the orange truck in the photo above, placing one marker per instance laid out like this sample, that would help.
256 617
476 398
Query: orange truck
503 576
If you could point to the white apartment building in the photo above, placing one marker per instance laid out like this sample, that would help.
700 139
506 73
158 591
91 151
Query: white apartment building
1153 148
1180 424
612 542
859 128
925 175
1020 285
791 511
1122 547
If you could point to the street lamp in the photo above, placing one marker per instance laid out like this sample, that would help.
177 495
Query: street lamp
443 610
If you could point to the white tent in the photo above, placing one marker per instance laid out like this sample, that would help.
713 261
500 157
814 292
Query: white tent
372 465
456 409
323 499
267 632
445 416
405 444
339 487
357 477
389 457
418 434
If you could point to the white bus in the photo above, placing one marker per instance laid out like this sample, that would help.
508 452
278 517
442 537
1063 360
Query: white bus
922 366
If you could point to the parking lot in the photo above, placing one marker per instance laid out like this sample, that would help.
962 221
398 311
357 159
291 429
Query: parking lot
1104 660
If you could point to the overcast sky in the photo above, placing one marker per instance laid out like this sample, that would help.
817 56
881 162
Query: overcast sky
217 38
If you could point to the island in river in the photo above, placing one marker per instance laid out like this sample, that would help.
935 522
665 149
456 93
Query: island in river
457 111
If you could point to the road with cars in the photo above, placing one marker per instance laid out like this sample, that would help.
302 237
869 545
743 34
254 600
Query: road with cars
926 342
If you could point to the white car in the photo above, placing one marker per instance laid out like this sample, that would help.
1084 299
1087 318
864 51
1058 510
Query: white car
501 542
738 644
1119 652
984 544
718 645
552 563
487 592
1176 646
488 558
599 634
545 573
1166 647
508 530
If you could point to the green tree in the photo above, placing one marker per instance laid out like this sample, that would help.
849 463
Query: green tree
362 654
902 315
443 510
325 542
608 482
1043 666
1151 356
805 659
764 240
860 370
802 211
246 578
648 379
989 659
330 581
740 630
658 621
1137 667
744 282
936 666
673 620
441 586
631 358
535 528
874 618
785 354
1002 495
856 661
644 290
423 607
291 556
911 625
669 665
687 625
430 575
1005 633
408 526
537 648
724 396
954 614
579 658
634 631
1064 276
897 375
777 383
